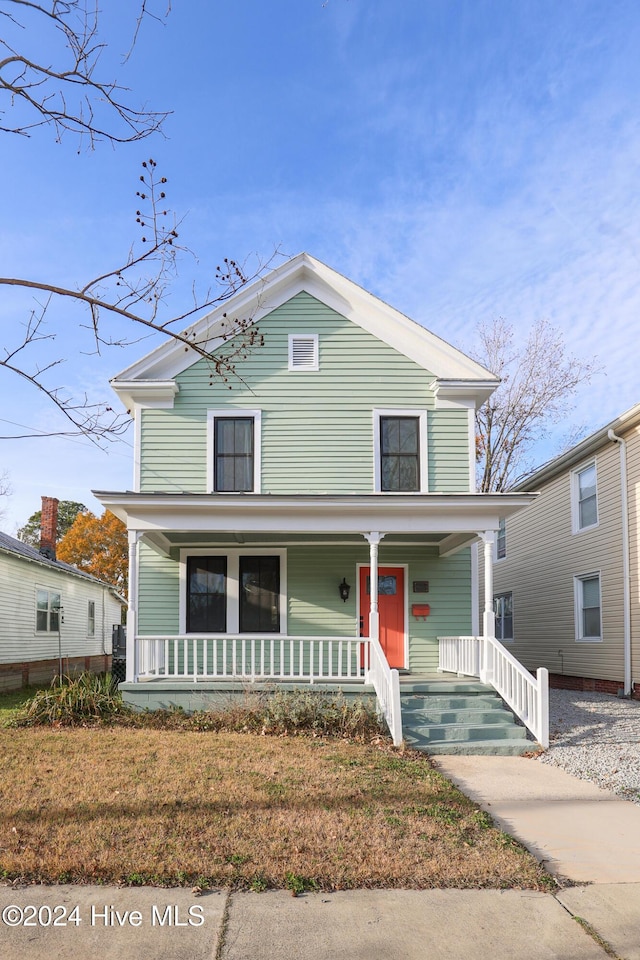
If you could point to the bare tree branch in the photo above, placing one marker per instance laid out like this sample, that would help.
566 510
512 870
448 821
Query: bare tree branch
539 380
70 96
133 291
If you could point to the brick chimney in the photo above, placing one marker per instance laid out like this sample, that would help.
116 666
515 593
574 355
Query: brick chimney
49 527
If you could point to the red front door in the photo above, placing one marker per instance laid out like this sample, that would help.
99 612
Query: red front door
390 608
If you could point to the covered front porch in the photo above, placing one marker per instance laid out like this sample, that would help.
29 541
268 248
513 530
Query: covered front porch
352 591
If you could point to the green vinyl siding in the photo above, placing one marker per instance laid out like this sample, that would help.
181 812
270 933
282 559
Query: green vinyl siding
313 574
317 427
158 593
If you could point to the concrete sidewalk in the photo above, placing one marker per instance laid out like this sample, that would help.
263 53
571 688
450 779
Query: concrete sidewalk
153 924
578 831
581 833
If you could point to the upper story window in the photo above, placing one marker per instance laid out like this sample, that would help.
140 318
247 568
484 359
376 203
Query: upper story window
47 611
400 451
501 540
303 351
503 610
233 460
588 607
584 498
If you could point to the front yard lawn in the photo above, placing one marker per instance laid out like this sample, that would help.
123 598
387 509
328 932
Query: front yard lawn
119 805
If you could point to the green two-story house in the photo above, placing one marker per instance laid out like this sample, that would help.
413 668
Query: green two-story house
309 516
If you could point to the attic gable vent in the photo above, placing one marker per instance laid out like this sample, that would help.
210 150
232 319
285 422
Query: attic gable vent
303 351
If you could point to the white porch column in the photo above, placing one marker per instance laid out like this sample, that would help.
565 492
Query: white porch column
488 617
374 539
132 608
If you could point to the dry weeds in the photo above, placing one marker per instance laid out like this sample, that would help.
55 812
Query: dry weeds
165 807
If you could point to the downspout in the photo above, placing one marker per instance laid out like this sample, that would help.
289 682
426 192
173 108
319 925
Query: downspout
626 575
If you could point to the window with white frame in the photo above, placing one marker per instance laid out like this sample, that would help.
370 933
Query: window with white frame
501 540
503 610
303 351
585 498
234 451
234 591
400 451
91 618
588 604
48 603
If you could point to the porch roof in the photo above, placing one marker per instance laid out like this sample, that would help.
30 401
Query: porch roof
452 520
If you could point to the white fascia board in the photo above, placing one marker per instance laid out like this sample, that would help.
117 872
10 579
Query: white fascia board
222 513
586 448
305 273
136 394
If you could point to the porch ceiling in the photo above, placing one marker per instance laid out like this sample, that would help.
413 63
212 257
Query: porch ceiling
451 520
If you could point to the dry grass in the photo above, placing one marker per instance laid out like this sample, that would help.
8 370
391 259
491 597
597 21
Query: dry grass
175 807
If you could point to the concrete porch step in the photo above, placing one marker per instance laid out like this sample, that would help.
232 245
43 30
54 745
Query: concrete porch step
470 720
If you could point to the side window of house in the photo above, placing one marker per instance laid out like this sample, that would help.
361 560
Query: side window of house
501 540
48 603
588 607
91 618
585 498
503 609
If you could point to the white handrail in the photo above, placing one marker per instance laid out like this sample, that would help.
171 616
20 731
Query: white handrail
386 683
488 659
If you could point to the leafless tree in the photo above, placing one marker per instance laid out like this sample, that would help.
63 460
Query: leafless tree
539 380
5 489
129 296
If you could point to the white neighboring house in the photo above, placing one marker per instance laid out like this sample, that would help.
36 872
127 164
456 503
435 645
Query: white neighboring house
51 612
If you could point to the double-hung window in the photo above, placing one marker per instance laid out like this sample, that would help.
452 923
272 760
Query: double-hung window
503 609
588 607
47 611
585 498
234 451
400 451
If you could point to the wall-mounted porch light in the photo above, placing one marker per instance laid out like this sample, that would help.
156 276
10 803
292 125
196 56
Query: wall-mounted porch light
344 588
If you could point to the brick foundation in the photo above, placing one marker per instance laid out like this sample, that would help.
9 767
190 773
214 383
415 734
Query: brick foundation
13 676
560 681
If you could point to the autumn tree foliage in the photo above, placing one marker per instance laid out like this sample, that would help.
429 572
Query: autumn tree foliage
99 546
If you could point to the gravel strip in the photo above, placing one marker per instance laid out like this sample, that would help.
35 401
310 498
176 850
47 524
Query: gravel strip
596 737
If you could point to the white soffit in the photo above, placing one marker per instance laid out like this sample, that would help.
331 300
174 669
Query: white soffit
305 273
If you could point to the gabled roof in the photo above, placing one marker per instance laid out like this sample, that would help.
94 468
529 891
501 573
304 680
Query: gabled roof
449 365
26 552
586 448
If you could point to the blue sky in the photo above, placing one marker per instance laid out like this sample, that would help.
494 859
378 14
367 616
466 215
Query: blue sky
462 159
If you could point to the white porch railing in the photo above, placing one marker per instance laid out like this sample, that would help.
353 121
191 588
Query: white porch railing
488 659
248 657
386 683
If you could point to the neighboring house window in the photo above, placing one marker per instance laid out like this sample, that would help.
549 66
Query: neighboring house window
400 451
234 592
91 618
47 611
588 607
503 609
501 540
206 594
234 451
303 351
585 498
